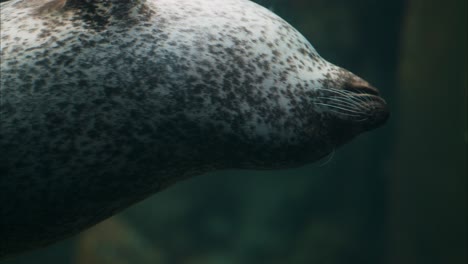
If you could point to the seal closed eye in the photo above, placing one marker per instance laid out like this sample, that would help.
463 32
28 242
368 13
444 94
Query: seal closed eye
105 102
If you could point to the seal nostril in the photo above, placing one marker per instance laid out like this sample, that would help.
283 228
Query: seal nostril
362 88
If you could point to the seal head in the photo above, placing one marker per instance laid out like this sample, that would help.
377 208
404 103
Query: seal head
104 102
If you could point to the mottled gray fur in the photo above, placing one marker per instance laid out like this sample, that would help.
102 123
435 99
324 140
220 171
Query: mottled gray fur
105 102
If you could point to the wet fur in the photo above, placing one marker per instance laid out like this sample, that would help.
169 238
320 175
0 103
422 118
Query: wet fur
106 102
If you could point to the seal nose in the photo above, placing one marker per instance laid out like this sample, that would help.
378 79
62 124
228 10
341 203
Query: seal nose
360 86
377 111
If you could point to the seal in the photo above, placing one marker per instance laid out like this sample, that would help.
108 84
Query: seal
105 102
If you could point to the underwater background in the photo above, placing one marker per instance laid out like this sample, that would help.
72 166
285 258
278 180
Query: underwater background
396 195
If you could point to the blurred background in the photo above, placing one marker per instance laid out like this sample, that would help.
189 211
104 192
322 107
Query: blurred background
396 195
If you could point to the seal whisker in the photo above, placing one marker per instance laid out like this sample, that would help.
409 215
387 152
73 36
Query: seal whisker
329 158
345 94
343 114
344 101
363 99
343 111
358 98
339 91
367 97
340 107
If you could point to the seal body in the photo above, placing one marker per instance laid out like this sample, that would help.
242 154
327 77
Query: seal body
106 102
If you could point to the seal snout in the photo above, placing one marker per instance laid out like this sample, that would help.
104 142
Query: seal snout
355 103
376 108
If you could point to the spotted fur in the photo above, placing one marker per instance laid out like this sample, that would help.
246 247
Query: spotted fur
105 102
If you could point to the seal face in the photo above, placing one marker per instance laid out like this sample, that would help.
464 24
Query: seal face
105 102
